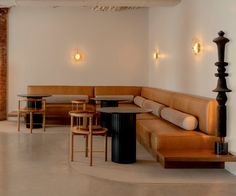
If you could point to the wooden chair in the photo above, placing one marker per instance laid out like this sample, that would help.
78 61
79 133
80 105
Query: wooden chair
31 106
77 103
86 128
76 107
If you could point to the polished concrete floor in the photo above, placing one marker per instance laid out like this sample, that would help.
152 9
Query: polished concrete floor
37 165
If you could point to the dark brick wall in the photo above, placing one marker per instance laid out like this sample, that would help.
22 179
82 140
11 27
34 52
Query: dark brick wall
3 63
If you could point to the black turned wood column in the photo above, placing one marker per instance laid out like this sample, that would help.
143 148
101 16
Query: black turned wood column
221 147
123 137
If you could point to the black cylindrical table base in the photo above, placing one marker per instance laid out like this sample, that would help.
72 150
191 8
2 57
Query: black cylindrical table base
124 137
106 117
37 121
37 118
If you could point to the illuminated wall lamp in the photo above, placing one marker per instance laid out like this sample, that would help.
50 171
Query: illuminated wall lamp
196 47
155 56
77 56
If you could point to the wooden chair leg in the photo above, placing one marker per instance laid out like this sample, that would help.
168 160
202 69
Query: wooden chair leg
31 122
18 121
44 119
86 146
105 147
91 149
71 146
90 122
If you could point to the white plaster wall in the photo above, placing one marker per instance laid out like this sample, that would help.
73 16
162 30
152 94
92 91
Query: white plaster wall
42 42
171 30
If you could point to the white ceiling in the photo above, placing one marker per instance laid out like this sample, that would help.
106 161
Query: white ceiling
89 3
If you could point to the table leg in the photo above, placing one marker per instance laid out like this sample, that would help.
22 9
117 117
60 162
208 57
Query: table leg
105 117
109 103
37 118
37 121
124 137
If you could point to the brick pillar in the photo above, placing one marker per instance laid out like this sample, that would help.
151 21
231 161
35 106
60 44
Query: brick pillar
3 63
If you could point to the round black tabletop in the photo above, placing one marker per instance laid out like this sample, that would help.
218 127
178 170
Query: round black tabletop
34 95
123 110
111 98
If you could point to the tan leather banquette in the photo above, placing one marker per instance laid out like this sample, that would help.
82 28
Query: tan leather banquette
156 133
164 128
59 103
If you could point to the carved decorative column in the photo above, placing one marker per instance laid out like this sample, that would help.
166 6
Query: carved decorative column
3 63
221 147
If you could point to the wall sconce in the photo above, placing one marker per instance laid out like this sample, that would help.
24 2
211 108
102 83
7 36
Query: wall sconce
196 46
77 56
155 55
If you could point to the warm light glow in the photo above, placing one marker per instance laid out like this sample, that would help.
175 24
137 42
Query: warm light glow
77 56
196 47
155 55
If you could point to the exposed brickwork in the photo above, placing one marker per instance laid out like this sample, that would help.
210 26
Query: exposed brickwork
3 63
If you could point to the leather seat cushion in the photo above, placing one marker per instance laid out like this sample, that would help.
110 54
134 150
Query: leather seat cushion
160 134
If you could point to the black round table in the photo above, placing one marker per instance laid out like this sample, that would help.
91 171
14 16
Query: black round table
109 101
37 118
123 123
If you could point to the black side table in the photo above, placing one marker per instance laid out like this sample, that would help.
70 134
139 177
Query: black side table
123 123
37 118
109 101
